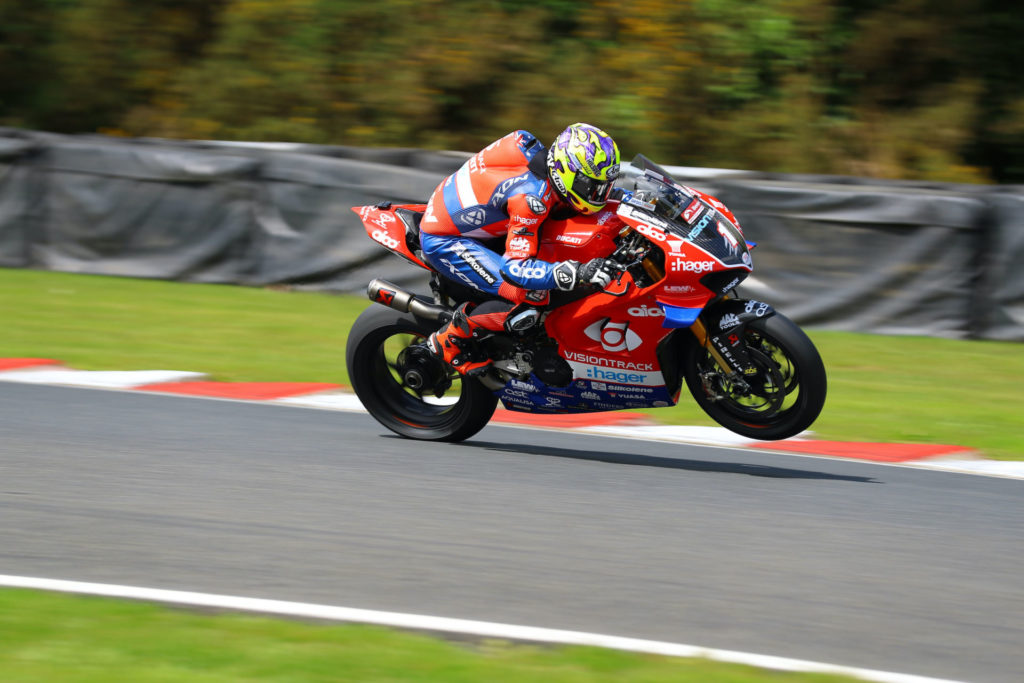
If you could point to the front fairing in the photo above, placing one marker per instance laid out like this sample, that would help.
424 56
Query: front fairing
689 215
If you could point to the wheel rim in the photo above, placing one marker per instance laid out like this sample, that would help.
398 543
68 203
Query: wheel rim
416 406
774 389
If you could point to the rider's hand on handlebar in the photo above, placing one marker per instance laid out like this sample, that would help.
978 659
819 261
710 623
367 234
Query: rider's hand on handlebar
598 271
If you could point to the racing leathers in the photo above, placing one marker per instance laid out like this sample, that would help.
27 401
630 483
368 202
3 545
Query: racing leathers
501 192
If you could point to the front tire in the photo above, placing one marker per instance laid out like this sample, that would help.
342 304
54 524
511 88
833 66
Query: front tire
782 399
378 369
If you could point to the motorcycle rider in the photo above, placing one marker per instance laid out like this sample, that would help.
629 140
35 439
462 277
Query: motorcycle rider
507 191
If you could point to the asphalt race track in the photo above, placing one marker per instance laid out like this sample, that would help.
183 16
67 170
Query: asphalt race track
836 561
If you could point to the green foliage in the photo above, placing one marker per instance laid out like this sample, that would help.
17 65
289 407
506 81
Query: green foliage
925 89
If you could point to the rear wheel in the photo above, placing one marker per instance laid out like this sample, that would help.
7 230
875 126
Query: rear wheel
405 387
781 400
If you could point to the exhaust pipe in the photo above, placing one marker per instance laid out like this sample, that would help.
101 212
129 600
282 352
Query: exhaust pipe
393 296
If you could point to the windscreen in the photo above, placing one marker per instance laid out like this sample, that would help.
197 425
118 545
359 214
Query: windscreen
685 214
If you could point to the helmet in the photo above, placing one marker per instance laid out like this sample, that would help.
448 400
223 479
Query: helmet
583 164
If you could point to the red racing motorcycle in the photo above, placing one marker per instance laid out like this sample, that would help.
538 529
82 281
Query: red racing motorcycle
671 317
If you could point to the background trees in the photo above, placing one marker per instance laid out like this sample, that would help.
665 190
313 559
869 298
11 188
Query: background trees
925 89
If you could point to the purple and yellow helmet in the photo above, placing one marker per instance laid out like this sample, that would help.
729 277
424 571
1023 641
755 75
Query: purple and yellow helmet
583 164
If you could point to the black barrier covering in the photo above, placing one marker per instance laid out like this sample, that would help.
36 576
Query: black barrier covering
309 233
1001 291
148 211
21 190
836 253
861 258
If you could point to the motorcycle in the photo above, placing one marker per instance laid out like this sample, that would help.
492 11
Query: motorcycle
672 316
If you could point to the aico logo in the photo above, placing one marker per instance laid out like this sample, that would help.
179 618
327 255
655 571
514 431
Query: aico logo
684 266
526 272
651 232
385 239
613 336
646 312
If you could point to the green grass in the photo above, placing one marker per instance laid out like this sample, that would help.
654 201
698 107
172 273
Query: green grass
75 639
895 389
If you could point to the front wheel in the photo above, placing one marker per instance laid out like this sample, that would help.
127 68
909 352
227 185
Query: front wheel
407 389
781 400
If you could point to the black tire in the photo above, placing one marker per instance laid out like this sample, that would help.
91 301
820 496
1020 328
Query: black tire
788 391
376 339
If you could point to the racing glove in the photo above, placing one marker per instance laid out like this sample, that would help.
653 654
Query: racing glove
597 271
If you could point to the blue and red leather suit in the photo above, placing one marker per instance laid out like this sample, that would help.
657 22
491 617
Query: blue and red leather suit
501 192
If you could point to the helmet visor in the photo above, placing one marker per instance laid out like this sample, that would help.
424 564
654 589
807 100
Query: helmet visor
592 190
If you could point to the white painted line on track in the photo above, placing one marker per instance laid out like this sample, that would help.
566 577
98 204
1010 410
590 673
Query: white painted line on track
460 626
100 379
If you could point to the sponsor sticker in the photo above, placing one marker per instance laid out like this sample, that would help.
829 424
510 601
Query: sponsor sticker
613 336
608 362
607 374
680 265
728 320
646 311
518 244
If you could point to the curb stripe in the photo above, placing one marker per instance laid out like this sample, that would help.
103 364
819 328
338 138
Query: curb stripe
455 626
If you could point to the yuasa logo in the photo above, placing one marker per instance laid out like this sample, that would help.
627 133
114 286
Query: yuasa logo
646 312
613 336
683 266
385 239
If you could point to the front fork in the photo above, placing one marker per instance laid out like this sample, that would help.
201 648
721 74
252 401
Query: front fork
725 339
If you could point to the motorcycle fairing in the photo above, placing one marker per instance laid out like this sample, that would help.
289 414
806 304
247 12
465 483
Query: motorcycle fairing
388 229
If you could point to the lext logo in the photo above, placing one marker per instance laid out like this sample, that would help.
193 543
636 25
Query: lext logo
613 336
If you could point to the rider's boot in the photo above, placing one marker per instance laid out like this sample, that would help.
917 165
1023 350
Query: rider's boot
454 343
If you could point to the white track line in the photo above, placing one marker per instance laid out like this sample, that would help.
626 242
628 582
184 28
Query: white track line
446 625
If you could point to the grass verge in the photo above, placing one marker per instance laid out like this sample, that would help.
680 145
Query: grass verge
889 389
75 639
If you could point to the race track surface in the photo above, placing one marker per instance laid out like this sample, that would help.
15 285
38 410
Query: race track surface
845 562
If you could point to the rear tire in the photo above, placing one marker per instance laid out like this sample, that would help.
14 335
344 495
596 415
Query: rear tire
377 338
788 391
